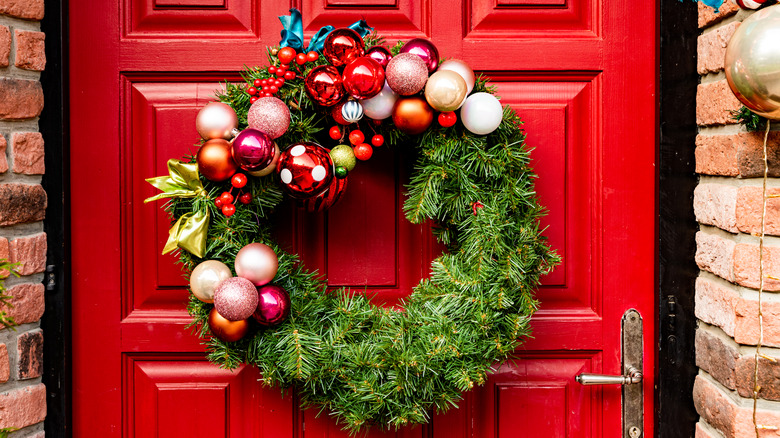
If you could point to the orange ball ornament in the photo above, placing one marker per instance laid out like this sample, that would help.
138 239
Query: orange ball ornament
215 160
225 329
412 115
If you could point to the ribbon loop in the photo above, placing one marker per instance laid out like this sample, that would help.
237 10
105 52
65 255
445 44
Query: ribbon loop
189 233
292 32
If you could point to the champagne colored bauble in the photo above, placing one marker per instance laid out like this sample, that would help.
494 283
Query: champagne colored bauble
342 155
412 115
406 74
257 262
215 160
216 120
753 62
235 298
225 329
323 84
380 55
271 167
482 113
380 106
270 115
253 149
461 68
352 111
445 90
343 46
305 170
363 78
328 198
205 278
425 50
273 305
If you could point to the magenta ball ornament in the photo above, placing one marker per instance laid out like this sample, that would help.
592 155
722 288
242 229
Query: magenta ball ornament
267 170
380 106
380 54
270 115
257 262
324 85
216 120
363 78
253 149
235 299
273 305
305 169
425 50
343 46
463 69
406 74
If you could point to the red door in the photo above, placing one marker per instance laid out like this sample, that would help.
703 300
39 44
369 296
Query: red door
581 73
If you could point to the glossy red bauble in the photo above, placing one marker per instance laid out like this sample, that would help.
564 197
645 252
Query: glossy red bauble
363 78
305 169
328 198
286 55
323 84
343 46
215 160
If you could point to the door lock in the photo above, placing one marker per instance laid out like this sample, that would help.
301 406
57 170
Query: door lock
632 376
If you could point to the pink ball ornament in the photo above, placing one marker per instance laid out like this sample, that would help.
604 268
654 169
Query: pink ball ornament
461 68
216 120
273 305
305 169
257 262
380 106
235 298
270 115
425 50
380 55
253 149
363 78
406 74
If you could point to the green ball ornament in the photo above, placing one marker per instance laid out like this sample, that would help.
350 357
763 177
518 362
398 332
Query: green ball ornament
341 172
343 156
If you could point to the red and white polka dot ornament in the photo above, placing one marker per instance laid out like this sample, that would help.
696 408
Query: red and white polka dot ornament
305 170
749 4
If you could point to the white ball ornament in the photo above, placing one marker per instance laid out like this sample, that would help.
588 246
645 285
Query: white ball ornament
481 113
380 106
352 111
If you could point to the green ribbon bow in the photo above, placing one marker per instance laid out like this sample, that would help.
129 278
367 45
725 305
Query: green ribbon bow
190 230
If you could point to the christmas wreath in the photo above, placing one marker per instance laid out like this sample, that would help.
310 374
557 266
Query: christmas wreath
253 303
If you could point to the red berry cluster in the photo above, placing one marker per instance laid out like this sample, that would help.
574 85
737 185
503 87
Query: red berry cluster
268 87
225 201
362 150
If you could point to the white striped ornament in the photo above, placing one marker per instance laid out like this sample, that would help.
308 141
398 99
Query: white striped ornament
750 4
352 111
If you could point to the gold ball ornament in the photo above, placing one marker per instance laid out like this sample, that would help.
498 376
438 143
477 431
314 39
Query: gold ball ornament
753 62
445 90
205 278
271 167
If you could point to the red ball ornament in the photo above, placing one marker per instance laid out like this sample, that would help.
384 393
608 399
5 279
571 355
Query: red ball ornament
335 112
380 55
412 115
363 151
323 84
750 4
447 119
406 74
286 55
273 305
215 161
328 198
225 329
305 169
364 78
343 46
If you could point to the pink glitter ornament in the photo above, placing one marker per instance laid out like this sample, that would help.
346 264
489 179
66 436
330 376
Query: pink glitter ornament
406 74
235 298
270 115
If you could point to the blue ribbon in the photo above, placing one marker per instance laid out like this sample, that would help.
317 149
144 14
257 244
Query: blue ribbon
714 4
292 32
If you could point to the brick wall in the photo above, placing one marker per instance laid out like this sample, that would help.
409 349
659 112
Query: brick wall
22 208
728 204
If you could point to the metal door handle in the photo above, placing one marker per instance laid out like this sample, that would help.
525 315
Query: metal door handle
632 376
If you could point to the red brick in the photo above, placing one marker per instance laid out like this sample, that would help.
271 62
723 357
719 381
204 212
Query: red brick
707 15
746 329
701 432
716 357
723 414
26 9
768 377
716 304
23 407
746 266
5 254
714 104
27 303
27 150
29 354
3 159
5 45
22 203
712 48
5 365
30 253
737 155
749 209
30 50
715 204
22 99
715 254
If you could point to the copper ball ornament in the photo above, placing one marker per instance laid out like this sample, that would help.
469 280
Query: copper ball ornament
257 262
225 329
235 298
216 120
363 78
205 278
267 170
463 69
406 74
215 160
412 115
343 46
273 305
324 85
380 54
329 197
425 50
753 62
305 170
270 115
445 91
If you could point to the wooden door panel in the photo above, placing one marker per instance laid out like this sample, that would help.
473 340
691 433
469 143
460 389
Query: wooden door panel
188 19
537 18
397 18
